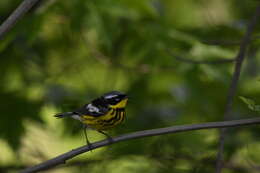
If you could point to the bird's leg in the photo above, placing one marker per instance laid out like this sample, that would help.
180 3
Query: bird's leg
86 136
109 138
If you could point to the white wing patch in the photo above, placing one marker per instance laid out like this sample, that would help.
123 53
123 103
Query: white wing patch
92 108
110 96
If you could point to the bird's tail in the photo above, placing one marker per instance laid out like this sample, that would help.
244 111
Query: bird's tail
64 114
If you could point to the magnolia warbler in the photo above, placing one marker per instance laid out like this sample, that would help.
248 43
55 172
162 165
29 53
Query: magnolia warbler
101 114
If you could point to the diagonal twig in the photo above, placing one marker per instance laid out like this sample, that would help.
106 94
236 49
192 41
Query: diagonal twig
135 135
233 87
192 61
25 6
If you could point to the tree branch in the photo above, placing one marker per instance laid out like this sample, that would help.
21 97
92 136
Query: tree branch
226 42
191 61
15 16
135 135
233 87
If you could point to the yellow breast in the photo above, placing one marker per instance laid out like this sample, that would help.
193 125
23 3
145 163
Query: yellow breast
106 121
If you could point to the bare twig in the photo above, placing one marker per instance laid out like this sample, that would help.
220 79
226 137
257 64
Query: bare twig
15 16
188 60
226 42
214 61
233 87
135 135
221 42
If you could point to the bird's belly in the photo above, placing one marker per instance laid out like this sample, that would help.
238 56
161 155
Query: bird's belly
104 122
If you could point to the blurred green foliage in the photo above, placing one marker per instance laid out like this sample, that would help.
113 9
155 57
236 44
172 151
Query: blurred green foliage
251 104
65 53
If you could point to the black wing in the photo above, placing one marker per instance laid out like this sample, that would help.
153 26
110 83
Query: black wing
96 108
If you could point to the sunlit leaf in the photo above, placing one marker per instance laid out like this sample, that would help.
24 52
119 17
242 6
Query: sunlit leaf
250 103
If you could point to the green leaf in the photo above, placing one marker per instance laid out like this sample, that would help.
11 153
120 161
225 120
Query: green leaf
251 104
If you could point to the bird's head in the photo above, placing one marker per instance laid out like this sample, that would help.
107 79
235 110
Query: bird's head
115 99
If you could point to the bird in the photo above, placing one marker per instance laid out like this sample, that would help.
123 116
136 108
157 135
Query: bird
102 113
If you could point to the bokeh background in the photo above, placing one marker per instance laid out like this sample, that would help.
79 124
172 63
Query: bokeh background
65 53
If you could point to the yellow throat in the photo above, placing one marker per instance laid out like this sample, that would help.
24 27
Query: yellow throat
121 104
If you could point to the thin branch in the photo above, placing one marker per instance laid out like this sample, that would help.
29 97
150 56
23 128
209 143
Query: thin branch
25 6
135 135
233 87
221 42
191 61
214 61
226 42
